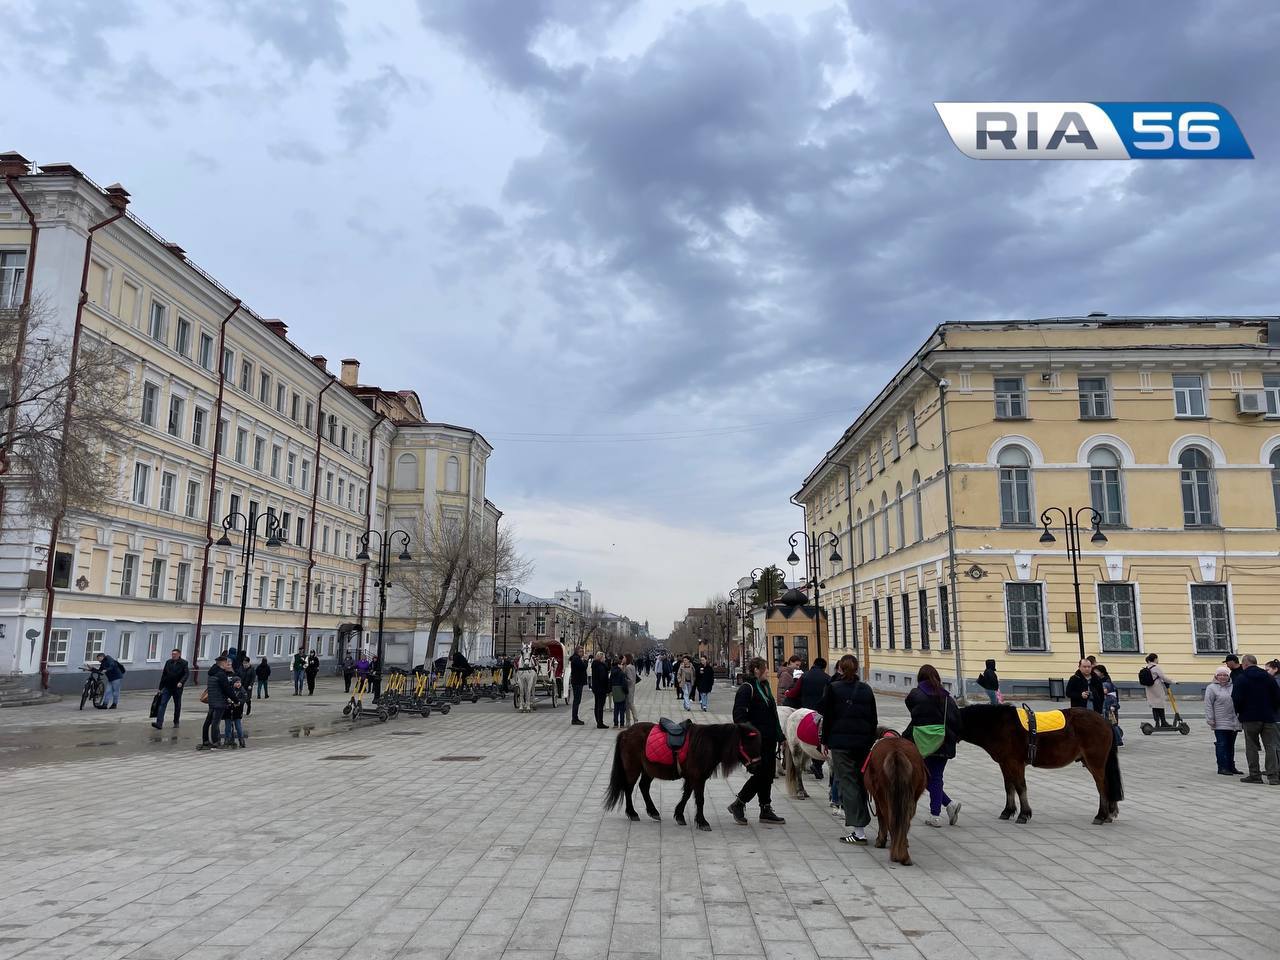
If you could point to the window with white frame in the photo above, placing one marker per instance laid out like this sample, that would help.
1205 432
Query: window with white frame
277 645
264 387
1095 398
309 412
126 646
192 506
59 641
180 643
1275 482
406 473
1197 488
94 642
900 509
1188 395
129 575
884 524
291 468
13 280
262 645
206 646
225 588
328 487
1271 387
168 483
198 417
1011 398
1118 617
182 343
155 589
174 425
158 327
1105 493
1014 465
242 442
294 401
917 505
259 448
1211 618
275 463
228 363
1025 605
224 428
150 402
225 642
182 582
280 397
204 353
246 377
264 592
279 593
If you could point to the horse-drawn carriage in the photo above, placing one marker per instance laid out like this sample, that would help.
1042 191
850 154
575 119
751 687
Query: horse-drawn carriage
540 672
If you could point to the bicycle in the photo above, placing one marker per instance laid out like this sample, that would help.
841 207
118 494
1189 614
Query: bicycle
95 688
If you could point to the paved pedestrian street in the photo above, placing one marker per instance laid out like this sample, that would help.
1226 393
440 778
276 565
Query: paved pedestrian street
481 835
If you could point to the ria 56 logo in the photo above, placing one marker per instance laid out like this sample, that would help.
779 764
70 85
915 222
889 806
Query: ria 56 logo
1094 131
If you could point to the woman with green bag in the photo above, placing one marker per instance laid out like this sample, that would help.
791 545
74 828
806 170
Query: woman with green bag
935 728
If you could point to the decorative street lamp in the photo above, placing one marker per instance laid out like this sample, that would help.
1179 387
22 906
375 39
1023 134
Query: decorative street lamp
505 597
756 580
813 569
1071 527
533 610
247 551
384 564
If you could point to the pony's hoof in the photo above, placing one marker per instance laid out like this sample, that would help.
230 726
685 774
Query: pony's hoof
802 795
680 821
655 816
880 844
905 861
1023 818
705 826
633 816
1006 814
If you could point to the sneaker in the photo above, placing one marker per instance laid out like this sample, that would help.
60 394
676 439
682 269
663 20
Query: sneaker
1227 773
738 811
158 726
578 723
768 816
1251 778
953 812
857 837
112 707
933 821
837 811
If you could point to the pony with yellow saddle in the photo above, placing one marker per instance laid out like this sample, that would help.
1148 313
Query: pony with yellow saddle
1015 737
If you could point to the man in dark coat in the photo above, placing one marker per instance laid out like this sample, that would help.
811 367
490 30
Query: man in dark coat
704 678
220 691
813 688
754 704
1257 702
577 680
1078 685
599 687
173 677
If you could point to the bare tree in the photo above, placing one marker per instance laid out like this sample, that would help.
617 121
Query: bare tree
61 460
494 563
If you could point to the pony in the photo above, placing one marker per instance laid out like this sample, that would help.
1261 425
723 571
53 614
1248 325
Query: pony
795 750
526 677
894 777
1085 737
710 747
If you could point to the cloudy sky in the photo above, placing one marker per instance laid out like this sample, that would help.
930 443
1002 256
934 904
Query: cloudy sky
660 253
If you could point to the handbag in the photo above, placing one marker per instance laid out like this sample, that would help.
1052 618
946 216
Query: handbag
929 737
155 706
204 695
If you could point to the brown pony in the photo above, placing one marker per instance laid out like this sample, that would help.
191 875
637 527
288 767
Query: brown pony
895 777
712 747
1086 737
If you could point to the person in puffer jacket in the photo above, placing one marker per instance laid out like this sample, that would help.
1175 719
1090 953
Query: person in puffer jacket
220 691
1220 715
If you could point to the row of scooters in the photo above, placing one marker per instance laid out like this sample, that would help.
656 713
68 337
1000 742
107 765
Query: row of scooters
420 692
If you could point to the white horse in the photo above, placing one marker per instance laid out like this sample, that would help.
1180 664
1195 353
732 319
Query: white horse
795 750
526 676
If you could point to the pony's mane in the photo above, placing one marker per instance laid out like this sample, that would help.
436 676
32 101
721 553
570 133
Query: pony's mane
715 745
981 720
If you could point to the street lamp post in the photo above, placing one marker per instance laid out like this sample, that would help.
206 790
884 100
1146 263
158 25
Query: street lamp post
813 571
384 564
248 549
533 610
505 597
1071 518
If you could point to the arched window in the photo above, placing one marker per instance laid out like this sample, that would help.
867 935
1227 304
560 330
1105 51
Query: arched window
451 475
1197 488
1015 486
871 528
1104 485
884 523
917 505
862 553
902 516
1275 482
406 476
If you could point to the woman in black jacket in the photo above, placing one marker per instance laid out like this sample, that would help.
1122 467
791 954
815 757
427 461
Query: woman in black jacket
704 680
313 671
935 728
848 730
754 704
263 674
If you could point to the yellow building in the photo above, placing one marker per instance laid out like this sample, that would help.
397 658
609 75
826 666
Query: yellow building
232 420
1168 427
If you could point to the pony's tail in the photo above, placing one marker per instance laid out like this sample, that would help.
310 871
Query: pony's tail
617 779
1115 786
902 799
795 771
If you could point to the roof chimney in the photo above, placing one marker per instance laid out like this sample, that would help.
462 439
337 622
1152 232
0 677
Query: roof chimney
350 372
320 362
14 164
278 327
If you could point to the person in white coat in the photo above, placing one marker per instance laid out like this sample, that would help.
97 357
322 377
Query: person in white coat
1220 715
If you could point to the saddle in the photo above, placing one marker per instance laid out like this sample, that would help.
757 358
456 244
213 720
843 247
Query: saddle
1034 723
668 742
676 732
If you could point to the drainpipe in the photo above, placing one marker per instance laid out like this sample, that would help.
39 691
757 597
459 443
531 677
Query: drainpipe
853 570
118 198
368 516
213 480
11 171
951 529
315 498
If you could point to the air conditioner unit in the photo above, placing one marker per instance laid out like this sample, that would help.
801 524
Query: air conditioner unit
1253 402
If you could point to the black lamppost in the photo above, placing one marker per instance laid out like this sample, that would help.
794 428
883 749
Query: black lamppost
726 612
1071 527
533 610
247 551
765 573
813 570
384 563
742 596
505 597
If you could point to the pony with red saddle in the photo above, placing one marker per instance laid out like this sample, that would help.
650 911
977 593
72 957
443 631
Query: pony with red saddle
802 730
678 751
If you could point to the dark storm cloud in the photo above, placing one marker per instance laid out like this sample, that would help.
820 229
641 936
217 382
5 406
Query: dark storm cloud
302 33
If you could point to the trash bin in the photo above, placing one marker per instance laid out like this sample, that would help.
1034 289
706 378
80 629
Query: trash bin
1057 688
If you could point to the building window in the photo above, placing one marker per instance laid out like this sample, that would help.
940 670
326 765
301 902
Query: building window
150 400
328 487
291 468
871 530
262 645
62 569
264 592
206 646
126 646
264 387
259 447
310 412
183 583
1271 387
158 327
875 622
906 621
246 377
901 508
275 463
59 641
306 475
293 595
294 400
224 428
884 523
193 499
451 475
153 646
228 363
197 426
129 575
279 604
917 505
1095 398
205 353
1118 617
94 641
1015 487
183 341
862 556
300 533
946 617
234 512
1210 618
332 426
155 589
280 394
1188 395
1025 615
242 443
1011 398
1104 485
13 278
141 480
180 643
286 525
1197 488
343 440
406 476
1275 482
277 645
225 589
922 597
175 416
888 619
168 481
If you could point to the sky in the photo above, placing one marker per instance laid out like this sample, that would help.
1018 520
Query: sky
659 253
